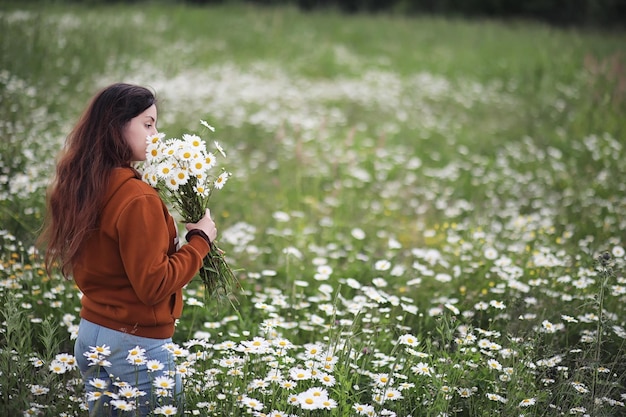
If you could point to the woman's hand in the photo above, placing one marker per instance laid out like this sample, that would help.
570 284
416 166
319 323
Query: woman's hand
206 224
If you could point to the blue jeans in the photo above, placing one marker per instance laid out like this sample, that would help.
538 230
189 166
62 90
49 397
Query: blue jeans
118 369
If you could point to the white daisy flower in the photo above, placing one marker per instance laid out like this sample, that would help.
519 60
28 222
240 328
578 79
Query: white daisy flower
527 402
164 381
220 149
208 126
194 141
221 180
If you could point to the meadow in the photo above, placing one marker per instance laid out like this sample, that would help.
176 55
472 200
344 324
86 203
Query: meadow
427 216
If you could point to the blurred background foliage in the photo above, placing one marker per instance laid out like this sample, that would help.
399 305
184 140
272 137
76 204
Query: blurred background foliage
588 13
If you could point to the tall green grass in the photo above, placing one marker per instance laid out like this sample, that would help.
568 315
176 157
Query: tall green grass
459 182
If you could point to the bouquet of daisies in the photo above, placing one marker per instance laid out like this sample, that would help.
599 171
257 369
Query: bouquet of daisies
183 172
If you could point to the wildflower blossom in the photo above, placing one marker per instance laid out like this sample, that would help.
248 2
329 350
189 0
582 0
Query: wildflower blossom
154 365
122 405
494 364
314 398
136 356
569 319
388 394
101 350
164 381
221 179
288 384
580 387
57 367
68 360
98 383
276 413
381 380
38 389
496 397
358 233
464 392
299 374
208 126
527 402
94 396
363 409
130 392
166 410
326 379
490 253
481 305
382 265
452 308
548 327
36 362
162 392
251 403
421 369
312 350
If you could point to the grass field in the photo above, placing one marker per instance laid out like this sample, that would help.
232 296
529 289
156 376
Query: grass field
427 216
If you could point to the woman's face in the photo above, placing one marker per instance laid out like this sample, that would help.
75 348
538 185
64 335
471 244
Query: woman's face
137 129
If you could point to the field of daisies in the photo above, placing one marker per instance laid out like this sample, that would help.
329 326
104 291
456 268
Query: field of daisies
427 217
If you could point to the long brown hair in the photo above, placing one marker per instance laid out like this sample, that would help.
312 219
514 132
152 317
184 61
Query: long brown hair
92 150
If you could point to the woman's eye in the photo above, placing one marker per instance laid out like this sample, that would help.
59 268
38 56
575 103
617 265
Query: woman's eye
148 125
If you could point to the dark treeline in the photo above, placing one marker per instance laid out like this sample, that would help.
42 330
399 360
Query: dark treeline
560 12
595 13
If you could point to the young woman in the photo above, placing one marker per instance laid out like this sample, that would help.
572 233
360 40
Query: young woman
111 232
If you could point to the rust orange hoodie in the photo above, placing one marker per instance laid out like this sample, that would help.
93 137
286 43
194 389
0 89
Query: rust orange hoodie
130 269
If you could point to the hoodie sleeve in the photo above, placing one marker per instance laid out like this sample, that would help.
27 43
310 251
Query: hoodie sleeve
144 242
